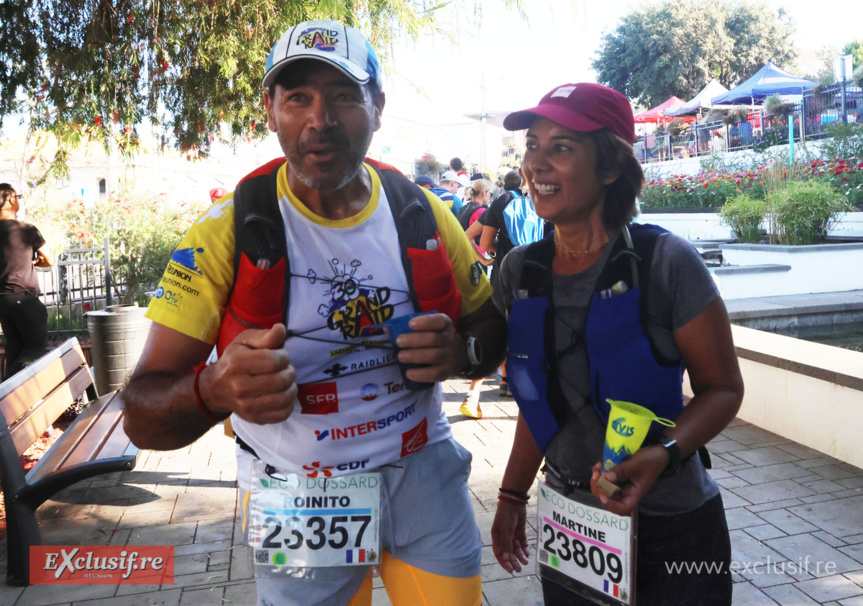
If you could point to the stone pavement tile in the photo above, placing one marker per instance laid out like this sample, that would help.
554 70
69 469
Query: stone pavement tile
123 590
8 593
746 594
202 597
770 473
189 564
775 505
855 577
856 601
242 594
788 595
834 472
726 460
818 558
787 522
765 531
818 498
170 597
731 500
819 462
829 539
740 517
38 595
135 519
854 551
241 563
771 576
380 597
169 534
732 482
855 482
718 474
854 538
119 537
835 517
851 467
746 552
136 506
524 591
201 578
494 572
218 558
205 501
834 587
765 456
212 531
202 547
721 446
750 435
770 492
800 451
844 494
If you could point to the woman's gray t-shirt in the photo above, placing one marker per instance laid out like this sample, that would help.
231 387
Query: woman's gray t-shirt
680 288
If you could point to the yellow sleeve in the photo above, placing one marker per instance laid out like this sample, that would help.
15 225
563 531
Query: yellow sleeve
193 292
470 274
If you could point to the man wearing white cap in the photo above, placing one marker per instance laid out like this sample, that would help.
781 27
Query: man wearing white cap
450 182
345 461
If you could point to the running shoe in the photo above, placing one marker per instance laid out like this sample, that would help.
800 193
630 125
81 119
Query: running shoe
467 410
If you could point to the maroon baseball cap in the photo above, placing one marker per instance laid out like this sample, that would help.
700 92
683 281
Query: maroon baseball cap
581 107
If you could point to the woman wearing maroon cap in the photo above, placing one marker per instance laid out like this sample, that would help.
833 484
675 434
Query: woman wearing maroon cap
624 308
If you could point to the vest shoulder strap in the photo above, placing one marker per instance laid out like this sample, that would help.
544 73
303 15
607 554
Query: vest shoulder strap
258 225
414 219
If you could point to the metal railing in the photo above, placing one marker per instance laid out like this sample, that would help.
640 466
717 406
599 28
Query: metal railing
818 109
79 282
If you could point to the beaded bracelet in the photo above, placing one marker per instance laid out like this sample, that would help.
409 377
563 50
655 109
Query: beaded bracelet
513 495
199 401
506 497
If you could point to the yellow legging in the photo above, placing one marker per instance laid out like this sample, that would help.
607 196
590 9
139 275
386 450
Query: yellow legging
410 586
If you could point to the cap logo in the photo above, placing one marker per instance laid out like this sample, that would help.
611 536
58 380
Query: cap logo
319 38
563 91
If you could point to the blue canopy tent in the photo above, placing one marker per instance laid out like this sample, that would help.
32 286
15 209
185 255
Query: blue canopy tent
769 80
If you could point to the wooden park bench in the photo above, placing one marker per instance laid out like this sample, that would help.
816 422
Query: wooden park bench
94 443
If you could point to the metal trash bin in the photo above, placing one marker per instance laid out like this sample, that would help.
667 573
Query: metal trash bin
117 337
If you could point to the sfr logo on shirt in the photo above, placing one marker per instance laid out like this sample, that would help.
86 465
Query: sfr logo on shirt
318 398
414 439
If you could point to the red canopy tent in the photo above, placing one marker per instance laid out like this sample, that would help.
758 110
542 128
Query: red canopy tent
657 114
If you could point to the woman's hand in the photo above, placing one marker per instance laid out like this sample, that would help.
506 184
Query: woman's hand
635 476
508 538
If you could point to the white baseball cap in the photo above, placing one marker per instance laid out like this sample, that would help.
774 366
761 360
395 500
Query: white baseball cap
339 45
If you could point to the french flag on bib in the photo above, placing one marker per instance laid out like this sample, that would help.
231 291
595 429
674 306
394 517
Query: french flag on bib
611 588
359 554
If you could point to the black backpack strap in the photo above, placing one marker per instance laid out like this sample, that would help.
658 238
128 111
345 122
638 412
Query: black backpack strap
259 227
414 218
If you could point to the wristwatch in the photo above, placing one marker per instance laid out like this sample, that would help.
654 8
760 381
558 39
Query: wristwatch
474 357
474 351
673 450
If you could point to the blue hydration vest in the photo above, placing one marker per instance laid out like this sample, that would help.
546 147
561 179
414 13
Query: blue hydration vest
624 364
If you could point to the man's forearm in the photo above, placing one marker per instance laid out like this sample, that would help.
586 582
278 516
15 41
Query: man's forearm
161 412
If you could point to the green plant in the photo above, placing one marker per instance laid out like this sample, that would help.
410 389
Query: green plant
736 114
744 215
144 229
776 107
843 141
803 211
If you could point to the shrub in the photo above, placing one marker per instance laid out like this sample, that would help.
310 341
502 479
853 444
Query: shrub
143 229
846 176
803 212
744 214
